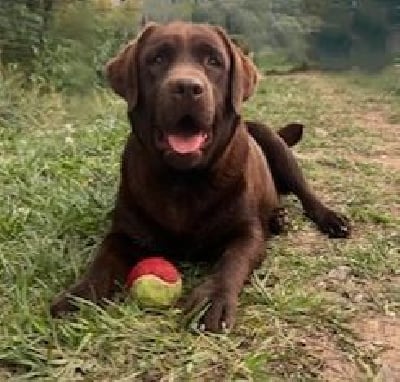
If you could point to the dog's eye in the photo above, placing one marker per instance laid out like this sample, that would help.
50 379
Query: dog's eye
158 59
213 61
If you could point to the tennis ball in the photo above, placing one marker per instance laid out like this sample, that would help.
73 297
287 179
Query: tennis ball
154 282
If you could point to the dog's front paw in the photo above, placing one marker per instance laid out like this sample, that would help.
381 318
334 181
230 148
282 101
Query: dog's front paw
61 305
218 306
335 225
84 289
220 315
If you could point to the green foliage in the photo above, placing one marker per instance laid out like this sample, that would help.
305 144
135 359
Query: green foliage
273 24
64 45
273 60
21 32
167 10
354 33
331 34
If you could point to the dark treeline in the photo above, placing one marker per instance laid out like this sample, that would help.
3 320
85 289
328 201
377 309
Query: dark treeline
362 33
66 42
333 34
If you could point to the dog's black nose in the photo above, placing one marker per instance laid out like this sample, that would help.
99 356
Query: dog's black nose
186 88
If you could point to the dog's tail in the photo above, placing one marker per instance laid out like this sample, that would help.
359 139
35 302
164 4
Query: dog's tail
264 136
291 133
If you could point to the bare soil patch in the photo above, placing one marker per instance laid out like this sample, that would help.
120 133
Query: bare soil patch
382 332
334 365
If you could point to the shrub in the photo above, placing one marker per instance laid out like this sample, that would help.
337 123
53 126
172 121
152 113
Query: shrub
64 45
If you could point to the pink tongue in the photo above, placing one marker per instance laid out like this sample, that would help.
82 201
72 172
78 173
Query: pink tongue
186 145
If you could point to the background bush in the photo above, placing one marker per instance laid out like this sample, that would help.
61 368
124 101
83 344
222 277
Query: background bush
64 44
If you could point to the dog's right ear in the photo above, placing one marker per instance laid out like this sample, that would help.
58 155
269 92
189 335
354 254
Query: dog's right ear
122 70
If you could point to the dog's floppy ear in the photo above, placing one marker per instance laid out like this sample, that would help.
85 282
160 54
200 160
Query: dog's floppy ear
244 73
122 70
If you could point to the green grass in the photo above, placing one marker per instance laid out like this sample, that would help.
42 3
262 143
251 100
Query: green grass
382 87
273 60
385 81
59 173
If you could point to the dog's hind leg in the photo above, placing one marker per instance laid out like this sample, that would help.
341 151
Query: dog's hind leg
289 178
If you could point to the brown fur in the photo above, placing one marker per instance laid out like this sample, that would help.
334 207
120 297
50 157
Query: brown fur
216 202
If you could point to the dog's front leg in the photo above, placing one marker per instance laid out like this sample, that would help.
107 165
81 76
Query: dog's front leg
221 289
106 273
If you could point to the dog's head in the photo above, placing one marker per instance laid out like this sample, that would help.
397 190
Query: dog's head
184 85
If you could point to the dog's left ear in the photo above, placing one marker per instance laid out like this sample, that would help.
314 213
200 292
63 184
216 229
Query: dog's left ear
244 73
122 70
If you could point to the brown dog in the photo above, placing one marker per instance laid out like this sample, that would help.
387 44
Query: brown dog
196 181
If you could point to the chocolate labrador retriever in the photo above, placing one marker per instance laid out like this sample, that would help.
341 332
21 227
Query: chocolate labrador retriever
197 182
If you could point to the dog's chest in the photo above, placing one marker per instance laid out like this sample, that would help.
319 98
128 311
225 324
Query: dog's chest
197 212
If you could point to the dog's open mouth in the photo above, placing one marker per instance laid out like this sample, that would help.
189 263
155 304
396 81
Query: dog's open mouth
186 138
186 144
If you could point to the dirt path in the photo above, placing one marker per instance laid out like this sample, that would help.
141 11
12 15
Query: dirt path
384 334
366 113
377 333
